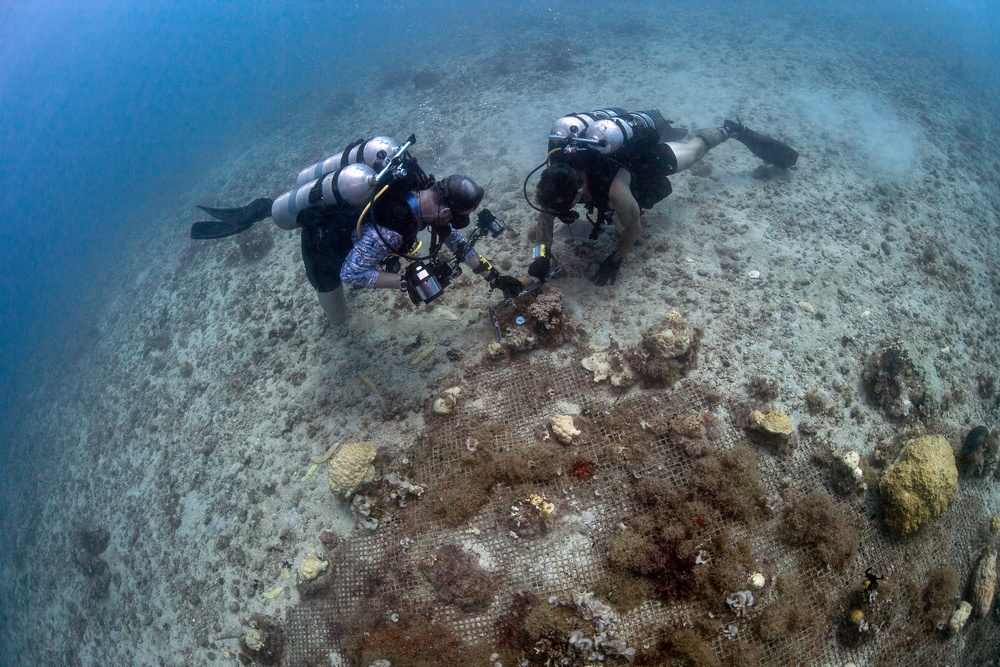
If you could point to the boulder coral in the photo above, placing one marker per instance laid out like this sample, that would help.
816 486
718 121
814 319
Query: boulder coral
918 487
351 467
311 567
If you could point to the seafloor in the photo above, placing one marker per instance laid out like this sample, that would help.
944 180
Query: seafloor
183 420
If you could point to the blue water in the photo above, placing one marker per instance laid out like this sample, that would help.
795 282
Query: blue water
108 107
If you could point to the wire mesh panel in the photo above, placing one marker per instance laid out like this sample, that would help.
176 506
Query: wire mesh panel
624 439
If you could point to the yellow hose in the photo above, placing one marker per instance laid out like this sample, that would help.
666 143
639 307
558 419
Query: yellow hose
364 212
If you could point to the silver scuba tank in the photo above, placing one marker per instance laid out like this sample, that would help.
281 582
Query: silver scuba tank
372 152
609 128
352 184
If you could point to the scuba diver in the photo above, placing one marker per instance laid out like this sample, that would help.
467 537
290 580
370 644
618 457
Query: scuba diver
614 161
360 212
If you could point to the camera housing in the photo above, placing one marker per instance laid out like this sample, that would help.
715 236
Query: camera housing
429 279
489 224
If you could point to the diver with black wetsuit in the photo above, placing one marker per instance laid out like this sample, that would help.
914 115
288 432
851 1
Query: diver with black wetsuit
614 161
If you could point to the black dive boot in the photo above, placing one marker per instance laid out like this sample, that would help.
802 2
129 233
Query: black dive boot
231 221
768 149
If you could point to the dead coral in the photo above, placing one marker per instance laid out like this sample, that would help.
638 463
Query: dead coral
686 646
815 524
88 544
692 426
764 388
893 384
731 483
536 319
868 609
975 453
413 639
728 565
466 489
668 351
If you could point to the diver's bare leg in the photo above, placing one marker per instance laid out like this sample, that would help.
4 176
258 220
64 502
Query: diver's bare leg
689 152
335 306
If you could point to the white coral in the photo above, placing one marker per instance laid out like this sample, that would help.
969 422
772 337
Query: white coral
564 428
610 364
447 401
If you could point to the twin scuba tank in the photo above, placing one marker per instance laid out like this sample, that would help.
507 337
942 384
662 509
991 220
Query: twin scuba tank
605 130
349 177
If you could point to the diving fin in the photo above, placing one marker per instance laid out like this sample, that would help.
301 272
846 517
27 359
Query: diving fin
217 229
230 221
768 149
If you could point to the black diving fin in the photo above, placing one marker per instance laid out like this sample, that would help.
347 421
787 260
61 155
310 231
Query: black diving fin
230 221
767 148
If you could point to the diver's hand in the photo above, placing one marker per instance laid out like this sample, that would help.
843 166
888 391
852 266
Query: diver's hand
607 272
540 268
509 285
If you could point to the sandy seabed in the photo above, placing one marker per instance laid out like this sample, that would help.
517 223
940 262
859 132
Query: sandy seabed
185 424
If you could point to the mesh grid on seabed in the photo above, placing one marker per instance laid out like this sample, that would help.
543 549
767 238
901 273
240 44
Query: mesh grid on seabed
520 398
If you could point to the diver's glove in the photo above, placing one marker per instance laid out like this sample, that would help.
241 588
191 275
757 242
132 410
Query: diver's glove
607 272
542 264
509 285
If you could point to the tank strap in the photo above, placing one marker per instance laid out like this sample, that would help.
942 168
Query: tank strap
345 155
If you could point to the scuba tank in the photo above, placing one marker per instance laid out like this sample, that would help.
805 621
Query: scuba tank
373 152
575 125
606 130
352 184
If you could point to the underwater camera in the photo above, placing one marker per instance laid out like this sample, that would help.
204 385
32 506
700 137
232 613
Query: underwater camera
487 223
430 278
